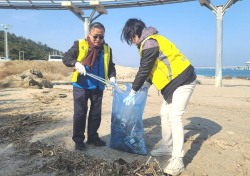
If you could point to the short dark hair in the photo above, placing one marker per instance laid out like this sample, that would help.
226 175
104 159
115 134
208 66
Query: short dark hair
132 27
97 25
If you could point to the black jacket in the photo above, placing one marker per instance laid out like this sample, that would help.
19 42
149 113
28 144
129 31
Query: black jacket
150 52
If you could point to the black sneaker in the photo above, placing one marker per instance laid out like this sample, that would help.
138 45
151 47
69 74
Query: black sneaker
96 142
80 147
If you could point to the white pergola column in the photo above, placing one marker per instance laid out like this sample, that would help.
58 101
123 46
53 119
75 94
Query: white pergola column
219 40
79 13
219 12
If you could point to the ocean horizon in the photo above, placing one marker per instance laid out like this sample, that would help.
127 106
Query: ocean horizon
226 72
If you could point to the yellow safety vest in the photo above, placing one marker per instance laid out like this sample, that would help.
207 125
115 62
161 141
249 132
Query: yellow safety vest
170 63
83 51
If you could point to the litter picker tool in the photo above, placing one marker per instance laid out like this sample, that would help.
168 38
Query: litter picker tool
107 82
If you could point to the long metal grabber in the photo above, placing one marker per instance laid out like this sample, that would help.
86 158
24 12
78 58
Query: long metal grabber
107 82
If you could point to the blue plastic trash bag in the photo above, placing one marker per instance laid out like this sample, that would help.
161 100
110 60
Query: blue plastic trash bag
127 131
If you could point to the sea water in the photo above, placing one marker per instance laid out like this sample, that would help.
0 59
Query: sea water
234 73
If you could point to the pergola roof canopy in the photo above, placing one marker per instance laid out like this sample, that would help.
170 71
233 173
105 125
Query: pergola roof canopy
81 4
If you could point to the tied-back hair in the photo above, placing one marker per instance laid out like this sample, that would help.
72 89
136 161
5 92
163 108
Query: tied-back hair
132 27
97 25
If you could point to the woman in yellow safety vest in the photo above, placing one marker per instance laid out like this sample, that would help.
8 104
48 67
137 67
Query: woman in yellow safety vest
163 65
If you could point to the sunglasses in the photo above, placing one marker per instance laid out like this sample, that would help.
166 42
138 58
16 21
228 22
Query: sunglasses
97 36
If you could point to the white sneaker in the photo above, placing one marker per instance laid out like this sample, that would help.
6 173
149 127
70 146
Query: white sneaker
175 166
161 151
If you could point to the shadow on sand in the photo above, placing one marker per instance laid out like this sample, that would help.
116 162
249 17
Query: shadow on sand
197 131
203 128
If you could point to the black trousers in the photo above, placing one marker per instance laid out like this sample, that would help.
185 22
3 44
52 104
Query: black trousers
81 98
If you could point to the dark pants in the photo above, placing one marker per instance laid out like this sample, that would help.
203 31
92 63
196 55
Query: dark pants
81 98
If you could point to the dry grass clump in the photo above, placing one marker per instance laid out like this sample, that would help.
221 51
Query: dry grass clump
52 71
63 162
60 161
18 129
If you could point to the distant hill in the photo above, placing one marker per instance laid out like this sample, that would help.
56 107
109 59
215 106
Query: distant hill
32 50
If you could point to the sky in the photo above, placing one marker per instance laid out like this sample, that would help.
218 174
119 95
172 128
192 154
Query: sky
190 26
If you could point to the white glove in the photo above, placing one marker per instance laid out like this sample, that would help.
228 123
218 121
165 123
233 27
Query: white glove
112 80
130 99
80 68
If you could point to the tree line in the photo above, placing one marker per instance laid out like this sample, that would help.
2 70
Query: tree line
31 50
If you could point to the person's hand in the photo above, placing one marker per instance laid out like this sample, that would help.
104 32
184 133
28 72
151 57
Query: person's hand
146 85
80 68
112 81
130 99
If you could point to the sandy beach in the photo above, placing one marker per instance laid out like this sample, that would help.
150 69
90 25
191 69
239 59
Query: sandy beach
216 123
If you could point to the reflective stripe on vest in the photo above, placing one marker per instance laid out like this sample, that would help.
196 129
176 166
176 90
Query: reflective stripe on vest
164 59
83 51
169 64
